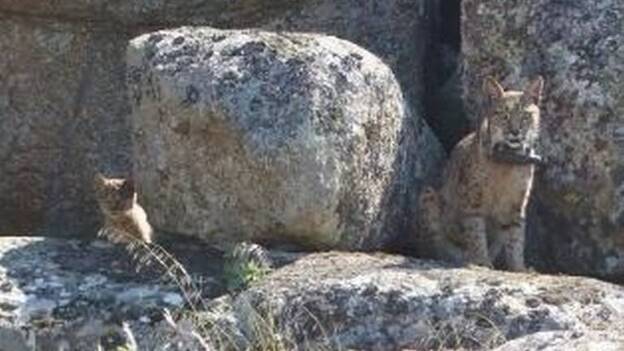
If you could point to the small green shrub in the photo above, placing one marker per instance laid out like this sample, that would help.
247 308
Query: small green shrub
244 264
238 275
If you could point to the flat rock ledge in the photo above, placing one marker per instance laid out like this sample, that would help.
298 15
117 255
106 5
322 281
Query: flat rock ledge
385 302
66 294
71 295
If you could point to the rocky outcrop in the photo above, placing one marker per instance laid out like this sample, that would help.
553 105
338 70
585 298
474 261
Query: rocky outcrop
57 293
579 48
384 302
273 136
63 94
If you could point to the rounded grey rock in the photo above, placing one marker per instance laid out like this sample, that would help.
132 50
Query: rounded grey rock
302 138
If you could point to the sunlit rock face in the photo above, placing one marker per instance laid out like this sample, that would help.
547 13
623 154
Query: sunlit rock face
274 136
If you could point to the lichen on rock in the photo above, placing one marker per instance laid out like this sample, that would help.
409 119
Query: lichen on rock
301 138
386 302
57 293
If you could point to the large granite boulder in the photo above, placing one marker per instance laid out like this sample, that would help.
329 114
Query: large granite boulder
274 136
384 302
63 105
579 48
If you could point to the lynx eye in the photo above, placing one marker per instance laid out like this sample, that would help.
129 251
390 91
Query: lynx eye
526 117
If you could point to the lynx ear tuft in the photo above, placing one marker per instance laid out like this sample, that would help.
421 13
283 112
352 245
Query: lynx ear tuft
99 179
492 88
534 89
128 187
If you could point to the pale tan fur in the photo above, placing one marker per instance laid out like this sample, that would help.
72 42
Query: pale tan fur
480 209
124 218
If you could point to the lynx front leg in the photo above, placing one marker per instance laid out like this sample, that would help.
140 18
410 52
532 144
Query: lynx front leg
448 251
475 239
514 234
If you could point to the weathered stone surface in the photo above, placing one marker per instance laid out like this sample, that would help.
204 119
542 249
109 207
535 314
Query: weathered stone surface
398 31
136 14
579 48
383 302
61 117
56 292
262 135
63 105
566 341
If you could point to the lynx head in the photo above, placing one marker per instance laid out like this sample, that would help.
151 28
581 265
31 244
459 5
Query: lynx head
511 122
114 195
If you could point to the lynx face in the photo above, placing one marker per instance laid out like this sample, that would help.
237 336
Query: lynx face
114 195
512 122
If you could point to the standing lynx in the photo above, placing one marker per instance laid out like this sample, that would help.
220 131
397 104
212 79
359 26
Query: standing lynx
481 207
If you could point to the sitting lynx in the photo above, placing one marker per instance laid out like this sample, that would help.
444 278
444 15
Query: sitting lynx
124 218
481 206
